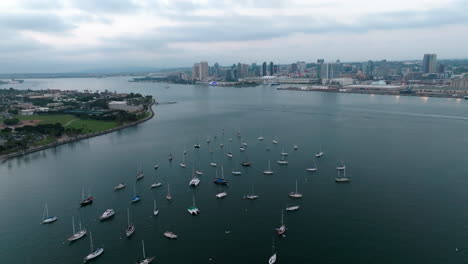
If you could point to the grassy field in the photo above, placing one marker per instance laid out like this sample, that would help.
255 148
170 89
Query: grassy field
70 121
49 119
90 126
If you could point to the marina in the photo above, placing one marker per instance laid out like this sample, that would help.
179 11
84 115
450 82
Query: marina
349 210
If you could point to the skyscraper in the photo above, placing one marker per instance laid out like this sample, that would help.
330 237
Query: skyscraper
429 63
330 70
271 69
196 71
203 70
264 68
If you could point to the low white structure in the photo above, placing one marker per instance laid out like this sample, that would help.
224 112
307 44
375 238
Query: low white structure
124 106
27 112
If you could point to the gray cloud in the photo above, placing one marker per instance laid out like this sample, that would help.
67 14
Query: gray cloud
40 22
106 6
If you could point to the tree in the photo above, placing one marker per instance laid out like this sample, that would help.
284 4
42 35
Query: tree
11 121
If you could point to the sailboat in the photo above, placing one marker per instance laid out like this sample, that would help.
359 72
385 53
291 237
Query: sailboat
196 145
283 153
155 209
86 201
170 157
168 195
220 181
282 161
221 195
269 171
208 140
198 172
272 259
46 219
282 229
94 252
295 147
229 154
341 167
320 153
342 179
76 235
145 260
156 166
246 163
194 181
119 186
155 184
193 210
130 226
275 141
182 164
292 208
107 214
242 149
260 138
135 198
236 171
252 196
313 169
295 194
139 174
213 161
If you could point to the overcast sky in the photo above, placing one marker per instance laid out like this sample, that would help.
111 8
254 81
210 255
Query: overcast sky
75 35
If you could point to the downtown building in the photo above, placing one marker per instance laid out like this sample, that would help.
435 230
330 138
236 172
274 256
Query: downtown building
429 64
200 71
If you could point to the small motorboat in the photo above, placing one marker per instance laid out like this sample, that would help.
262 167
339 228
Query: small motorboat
197 172
155 185
246 164
170 235
292 208
119 186
229 154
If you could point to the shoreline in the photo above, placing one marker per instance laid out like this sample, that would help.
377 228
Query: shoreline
379 92
78 138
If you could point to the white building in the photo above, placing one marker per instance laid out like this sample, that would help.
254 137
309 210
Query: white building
124 106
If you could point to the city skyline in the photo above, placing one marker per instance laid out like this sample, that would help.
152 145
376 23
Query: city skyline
69 35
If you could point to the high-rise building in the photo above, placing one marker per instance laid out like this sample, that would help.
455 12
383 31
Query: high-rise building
264 68
294 67
320 61
301 66
243 70
216 69
429 63
271 68
330 70
203 71
196 71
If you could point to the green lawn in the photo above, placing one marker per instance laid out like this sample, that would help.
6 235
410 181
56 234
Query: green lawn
45 141
49 119
90 126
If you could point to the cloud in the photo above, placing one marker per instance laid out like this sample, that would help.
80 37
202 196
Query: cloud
34 22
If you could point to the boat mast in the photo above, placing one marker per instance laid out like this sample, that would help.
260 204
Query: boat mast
296 186
47 211
154 205
222 172
269 165
143 245
91 241
73 224
193 199
128 217
282 222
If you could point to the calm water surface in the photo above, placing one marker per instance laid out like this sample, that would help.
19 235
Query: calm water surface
406 203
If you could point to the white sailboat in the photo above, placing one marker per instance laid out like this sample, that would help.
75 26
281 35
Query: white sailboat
168 195
275 141
295 194
119 186
194 181
342 179
313 169
260 138
282 229
292 208
320 153
295 147
145 260
283 153
155 184
155 209
282 161
94 252
139 174
107 214
76 235
221 195
269 171
342 166
182 164
130 226
236 171
46 219
156 166
213 161
252 196
272 259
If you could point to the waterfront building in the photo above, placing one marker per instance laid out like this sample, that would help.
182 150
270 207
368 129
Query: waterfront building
264 68
203 70
124 106
429 63
271 69
460 82
329 70
196 71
